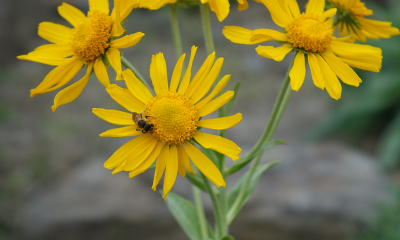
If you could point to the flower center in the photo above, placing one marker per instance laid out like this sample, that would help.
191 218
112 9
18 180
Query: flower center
91 37
309 33
174 117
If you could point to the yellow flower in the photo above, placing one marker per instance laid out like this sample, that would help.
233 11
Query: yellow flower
175 115
350 20
310 35
89 41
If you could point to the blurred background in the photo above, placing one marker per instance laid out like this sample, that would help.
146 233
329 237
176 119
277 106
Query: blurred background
339 176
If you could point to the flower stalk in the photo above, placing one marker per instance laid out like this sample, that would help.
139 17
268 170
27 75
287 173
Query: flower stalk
205 21
175 30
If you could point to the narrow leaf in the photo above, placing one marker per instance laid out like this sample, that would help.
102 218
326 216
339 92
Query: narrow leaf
227 238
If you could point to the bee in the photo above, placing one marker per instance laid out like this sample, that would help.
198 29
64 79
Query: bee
142 122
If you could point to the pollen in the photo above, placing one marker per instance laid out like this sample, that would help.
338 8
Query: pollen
174 117
308 32
91 38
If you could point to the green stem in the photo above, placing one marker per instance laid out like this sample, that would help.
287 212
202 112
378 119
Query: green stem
205 21
200 212
128 65
276 115
175 30
219 217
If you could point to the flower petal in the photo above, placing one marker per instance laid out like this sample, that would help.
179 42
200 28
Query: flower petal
160 165
316 73
158 73
315 7
50 54
136 87
70 13
184 159
263 35
332 84
127 41
55 33
239 35
101 5
114 58
176 75
70 93
220 7
243 5
117 30
200 75
278 14
114 116
221 123
186 78
215 104
141 152
171 171
298 71
329 13
219 144
128 131
204 164
125 8
218 88
125 98
148 161
101 72
276 54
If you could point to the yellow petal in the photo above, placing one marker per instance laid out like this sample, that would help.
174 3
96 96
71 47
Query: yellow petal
171 171
127 41
218 88
221 123
263 35
101 72
59 76
332 84
70 93
220 7
200 75
315 6
160 165
125 8
55 33
204 164
101 5
219 144
136 87
294 8
298 71
329 13
215 104
206 84
125 98
276 54
140 153
117 30
186 78
341 69
114 58
184 159
50 54
243 5
148 161
281 17
121 154
176 75
316 73
128 131
153 4
114 116
239 35
71 14
158 73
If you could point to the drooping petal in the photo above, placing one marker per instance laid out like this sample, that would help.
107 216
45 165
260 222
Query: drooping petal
263 35
200 75
158 73
55 33
114 116
298 71
239 35
101 72
171 171
142 151
160 165
184 159
341 69
100 5
186 78
127 41
114 57
153 4
125 8
332 84
218 88
243 5
176 75
220 7
276 54
125 98
128 131
70 13
278 14
219 144
148 161
117 30
221 123
70 93
136 87
215 104
204 164
316 73
315 7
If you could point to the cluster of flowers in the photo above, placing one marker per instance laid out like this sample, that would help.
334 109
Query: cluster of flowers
176 109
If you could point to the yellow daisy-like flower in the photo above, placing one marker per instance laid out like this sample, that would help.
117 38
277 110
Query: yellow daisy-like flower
310 34
351 20
91 39
174 118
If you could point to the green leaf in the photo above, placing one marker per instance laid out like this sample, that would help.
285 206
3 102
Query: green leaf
196 180
252 186
389 146
227 238
185 214
241 163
